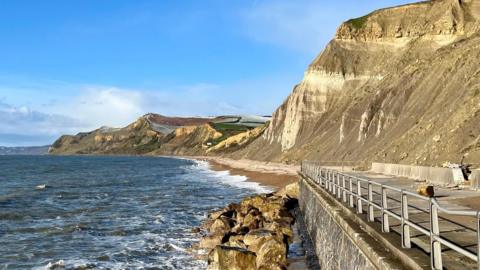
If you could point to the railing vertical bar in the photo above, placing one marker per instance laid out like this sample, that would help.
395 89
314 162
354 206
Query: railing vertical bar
478 240
405 232
371 216
327 178
359 198
344 192
435 246
385 222
339 187
350 188
334 188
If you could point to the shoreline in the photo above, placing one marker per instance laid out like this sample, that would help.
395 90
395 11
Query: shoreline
272 175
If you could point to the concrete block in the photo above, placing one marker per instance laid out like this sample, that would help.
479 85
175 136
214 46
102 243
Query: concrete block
436 175
475 179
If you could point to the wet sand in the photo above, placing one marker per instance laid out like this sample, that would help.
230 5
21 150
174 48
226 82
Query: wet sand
274 175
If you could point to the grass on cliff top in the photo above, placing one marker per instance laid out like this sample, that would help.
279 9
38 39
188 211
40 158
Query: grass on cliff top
358 22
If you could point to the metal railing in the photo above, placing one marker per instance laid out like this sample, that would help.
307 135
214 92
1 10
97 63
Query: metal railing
341 186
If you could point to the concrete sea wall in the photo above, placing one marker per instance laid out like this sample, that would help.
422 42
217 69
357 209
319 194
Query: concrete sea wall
342 240
436 175
338 241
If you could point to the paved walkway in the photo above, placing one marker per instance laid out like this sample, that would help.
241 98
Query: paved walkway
458 229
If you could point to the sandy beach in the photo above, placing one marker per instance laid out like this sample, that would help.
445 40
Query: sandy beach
276 175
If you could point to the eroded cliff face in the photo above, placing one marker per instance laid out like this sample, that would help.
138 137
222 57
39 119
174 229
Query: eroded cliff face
155 134
398 85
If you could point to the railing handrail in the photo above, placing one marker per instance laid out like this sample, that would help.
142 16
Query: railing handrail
329 179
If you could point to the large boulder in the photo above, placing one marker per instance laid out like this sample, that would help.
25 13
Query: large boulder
256 238
291 191
216 214
236 241
280 228
211 241
254 201
253 219
276 211
240 229
221 225
231 258
272 266
272 251
254 234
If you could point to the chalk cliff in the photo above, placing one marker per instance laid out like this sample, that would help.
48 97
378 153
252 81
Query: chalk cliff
400 84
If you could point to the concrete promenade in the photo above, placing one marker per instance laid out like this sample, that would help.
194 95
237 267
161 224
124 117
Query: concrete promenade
457 229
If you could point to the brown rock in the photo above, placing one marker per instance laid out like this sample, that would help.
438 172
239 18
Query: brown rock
216 214
253 219
221 225
231 258
426 190
292 191
254 201
281 228
256 238
272 251
236 237
235 241
274 212
211 241
240 229
272 266
273 205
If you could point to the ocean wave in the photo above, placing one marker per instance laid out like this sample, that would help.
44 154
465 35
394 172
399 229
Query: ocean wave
226 178
145 224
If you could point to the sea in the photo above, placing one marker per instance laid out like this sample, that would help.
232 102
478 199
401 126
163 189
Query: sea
105 212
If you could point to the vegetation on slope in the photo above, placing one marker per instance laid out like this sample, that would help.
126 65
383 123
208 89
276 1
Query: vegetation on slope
227 130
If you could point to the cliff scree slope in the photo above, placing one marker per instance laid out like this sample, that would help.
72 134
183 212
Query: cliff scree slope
398 85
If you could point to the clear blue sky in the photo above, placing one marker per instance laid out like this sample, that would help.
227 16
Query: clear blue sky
70 66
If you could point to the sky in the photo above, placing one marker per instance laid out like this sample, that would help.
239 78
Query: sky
71 66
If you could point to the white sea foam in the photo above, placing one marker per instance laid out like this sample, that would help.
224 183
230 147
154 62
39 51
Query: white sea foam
232 180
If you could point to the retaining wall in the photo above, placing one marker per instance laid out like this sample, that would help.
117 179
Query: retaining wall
340 240
436 175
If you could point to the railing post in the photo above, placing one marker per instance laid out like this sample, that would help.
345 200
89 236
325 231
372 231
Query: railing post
478 240
350 188
344 192
318 174
322 172
339 189
359 198
333 184
328 180
385 222
371 216
405 230
435 246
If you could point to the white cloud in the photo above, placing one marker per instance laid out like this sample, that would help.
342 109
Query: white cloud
38 116
97 106
23 120
90 108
